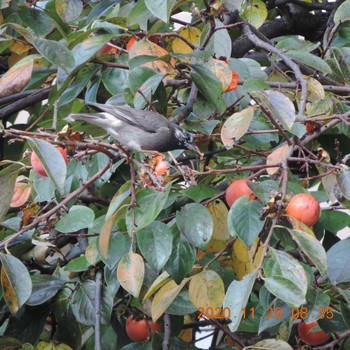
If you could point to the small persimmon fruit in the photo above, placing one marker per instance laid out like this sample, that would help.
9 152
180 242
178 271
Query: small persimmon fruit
237 189
37 165
160 166
141 330
234 82
305 208
306 334
108 49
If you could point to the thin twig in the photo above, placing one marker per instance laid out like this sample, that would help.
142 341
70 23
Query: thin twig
98 295
66 200
167 332
295 68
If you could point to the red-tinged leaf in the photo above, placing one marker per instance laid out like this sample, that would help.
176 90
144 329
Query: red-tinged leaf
17 77
21 194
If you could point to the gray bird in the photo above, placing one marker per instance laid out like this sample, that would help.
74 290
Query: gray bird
138 129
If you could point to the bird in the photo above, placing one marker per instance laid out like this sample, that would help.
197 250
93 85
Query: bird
138 130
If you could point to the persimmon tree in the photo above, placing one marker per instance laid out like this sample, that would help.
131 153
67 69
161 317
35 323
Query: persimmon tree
263 85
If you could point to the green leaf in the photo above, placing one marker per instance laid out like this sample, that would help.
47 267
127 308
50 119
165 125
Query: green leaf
139 15
236 126
8 178
161 8
78 217
119 245
312 248
138 75
309 60
15 281
343 180
200 192
55 53
149 205
45 287
196 224
285 277
148 89
255 12
83 304
88 48
155 244
101 8
209 86
285 290
317 303
339 63
280 106
237 297
220 43
334 221
182 257
84 75
69 10
181 305
251 85
339 262
37 20
51 160
343 13
280 313
79 264
243 220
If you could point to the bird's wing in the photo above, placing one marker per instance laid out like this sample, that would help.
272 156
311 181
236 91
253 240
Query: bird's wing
146 120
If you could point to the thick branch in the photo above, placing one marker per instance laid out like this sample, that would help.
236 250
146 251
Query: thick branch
24 102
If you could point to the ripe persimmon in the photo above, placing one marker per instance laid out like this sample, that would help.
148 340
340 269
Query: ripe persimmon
238 189
305 208
310 337
160 166
141 330
36 163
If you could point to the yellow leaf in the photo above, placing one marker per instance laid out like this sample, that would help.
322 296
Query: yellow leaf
300 226
165 297
91 253
191 34
277 156
220 236
206 290
8 292
246 260
20 48
221 70
158 283
105 235
130 273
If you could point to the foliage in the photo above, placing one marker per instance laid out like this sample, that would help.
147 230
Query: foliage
102 238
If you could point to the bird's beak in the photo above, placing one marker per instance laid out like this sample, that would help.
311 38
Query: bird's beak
194 147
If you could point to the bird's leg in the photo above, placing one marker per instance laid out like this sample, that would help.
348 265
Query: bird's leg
125 153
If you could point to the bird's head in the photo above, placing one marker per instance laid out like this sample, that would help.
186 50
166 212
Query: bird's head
185 139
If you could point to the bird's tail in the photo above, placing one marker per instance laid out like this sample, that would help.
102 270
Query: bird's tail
98 119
